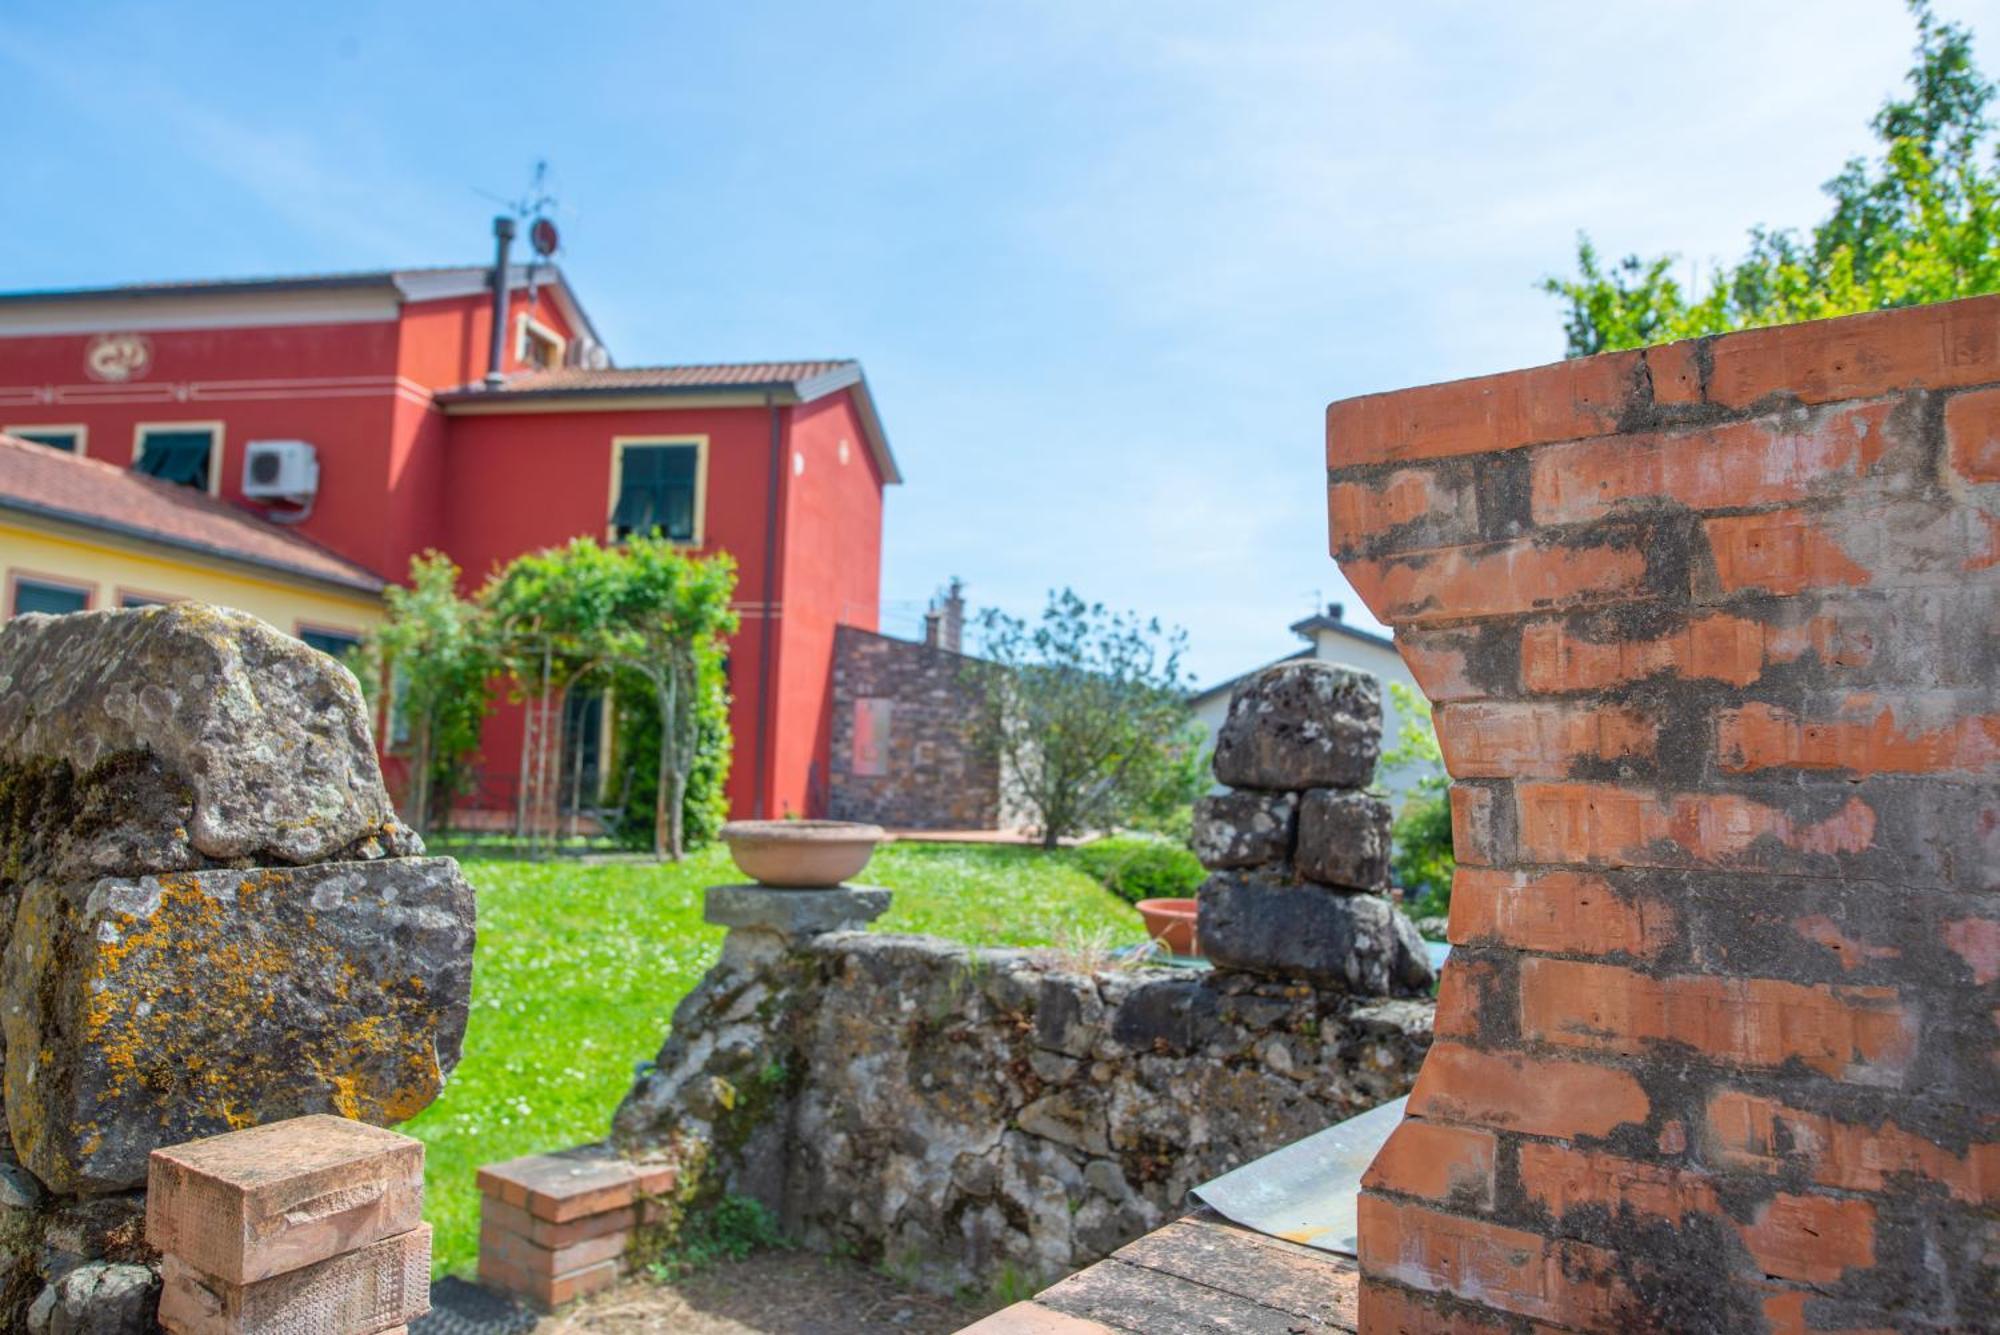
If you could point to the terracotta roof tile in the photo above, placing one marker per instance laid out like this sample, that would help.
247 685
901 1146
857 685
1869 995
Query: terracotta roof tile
55 483
731 375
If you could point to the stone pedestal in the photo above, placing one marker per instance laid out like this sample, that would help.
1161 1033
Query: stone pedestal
794 914
554 1227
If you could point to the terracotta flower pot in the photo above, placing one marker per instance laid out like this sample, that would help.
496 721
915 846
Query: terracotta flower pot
1171 923
801 854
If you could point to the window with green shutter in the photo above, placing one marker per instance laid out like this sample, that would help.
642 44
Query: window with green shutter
34 596
656 491
55 437
177 456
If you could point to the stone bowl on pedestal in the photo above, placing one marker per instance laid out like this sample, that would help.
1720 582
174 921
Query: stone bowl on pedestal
801 854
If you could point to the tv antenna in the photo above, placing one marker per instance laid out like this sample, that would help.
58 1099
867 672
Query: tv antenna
533 209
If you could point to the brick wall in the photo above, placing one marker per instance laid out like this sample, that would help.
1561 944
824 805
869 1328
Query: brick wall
1712 633
915 701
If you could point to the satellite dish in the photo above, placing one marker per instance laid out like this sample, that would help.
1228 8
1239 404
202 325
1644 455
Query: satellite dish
543 237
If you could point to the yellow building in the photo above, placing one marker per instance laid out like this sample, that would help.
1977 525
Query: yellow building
78 534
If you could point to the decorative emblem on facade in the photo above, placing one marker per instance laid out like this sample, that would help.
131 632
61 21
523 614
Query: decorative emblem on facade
118 357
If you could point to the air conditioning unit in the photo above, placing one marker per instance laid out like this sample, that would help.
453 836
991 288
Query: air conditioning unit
283 470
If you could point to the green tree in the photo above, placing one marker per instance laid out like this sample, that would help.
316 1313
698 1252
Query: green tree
645 616
1918 223
1423 858
1085 712
433 652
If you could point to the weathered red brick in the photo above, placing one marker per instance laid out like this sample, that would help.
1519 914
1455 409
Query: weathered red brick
1715 646
1560 912
1436 1161
1460 987
1437 659
1972 434
1768 461
1387 1309
1851 951
1580 397
1506 1268
1811 1239
1781 551
1675 372
1977 942
1563 1179
1360 512
1496 579
1538 739
1748 1131
1865 734
1785 1314
1514 1092
1945 346
1473 834
1862 1034
1603 824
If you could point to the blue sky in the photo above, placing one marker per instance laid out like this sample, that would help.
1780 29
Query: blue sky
1105 263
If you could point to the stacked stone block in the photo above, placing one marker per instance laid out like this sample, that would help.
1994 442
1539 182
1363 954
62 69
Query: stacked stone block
555 1227
210 919
314 1223
1298 851
1711 630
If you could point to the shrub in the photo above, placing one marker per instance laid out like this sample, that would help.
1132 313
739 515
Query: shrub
1423 858
1135 867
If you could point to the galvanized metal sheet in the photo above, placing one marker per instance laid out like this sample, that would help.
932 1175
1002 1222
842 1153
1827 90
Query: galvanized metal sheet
1306 1191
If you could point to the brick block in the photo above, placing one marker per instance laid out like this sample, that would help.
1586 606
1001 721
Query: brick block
549 1262
1435 1161
364 1292
1749 1131
1782 552
549 1292
1863 734
1421 507
1536 1096
1601 824
1563 401
1811 1239
255 1203
1558 656
1945 346
1537 739
1500 579
570 1184
1561 1179
1441 662
513 1219
1860 1034
1465 987
1389 1310
1475 829
1561 912
1778 460
1972 435
1507 1268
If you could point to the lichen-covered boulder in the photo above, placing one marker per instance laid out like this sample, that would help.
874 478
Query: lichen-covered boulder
181 736
1344 839
146 1011
1244 829
98 1298
1262 924
1301 724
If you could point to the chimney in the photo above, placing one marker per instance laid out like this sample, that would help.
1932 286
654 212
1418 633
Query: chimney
503 232
931 628
951 629
1333 611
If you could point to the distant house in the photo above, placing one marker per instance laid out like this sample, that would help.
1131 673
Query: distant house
1332 640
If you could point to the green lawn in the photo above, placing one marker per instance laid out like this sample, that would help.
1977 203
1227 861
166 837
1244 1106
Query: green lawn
579 967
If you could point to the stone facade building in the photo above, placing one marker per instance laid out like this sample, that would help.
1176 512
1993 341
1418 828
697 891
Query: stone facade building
904 753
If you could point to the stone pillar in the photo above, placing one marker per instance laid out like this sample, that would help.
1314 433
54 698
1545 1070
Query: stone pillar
1298 852
314 1223
210 919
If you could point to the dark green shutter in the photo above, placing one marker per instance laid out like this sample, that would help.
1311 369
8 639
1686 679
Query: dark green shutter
656 491
177 456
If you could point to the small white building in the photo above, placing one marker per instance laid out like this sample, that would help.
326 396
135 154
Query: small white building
1332 640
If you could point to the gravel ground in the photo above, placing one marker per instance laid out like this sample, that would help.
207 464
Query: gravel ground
774 1293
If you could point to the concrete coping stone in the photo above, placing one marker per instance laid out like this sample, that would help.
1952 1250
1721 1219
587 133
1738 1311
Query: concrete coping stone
794 913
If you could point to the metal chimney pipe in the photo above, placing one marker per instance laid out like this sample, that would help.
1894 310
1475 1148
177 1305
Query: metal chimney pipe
503 229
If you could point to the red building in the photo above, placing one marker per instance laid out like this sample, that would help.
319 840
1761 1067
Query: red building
386 383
